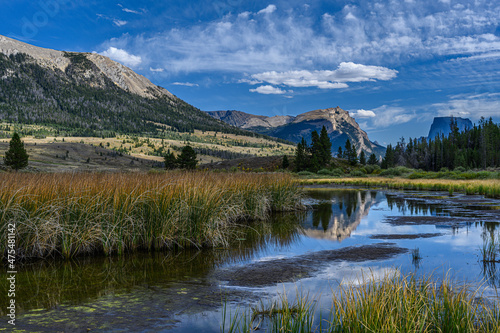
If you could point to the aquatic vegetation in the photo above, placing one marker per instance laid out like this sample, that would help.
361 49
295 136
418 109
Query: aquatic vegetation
416 257
394 304
490 249
275 315
74 214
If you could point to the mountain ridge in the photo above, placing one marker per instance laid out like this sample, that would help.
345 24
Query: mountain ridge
121 75
339 124
88 94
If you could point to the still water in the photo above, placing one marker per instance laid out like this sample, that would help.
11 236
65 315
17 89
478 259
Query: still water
185 291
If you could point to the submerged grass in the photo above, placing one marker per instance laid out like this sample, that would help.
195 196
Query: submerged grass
489 188
74 214
394 304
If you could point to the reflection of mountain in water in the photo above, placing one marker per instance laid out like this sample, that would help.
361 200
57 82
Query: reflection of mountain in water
339 213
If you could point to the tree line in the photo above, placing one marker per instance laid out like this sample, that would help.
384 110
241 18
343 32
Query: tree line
318 155
476 147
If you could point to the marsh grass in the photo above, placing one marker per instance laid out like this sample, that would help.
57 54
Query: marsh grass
75 214
489 188
416 257
394 304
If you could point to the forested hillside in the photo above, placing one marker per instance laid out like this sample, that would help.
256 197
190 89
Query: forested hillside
83 101
477 147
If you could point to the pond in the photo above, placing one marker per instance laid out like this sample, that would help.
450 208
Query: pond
347 234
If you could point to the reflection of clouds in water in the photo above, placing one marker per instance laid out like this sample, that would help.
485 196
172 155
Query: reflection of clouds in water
470 239
321 287
349 274
269 258
385 228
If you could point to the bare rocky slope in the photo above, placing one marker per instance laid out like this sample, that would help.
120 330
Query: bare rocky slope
339 124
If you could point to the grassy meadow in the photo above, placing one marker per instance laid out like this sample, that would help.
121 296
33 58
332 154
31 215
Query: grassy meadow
54 151
74 214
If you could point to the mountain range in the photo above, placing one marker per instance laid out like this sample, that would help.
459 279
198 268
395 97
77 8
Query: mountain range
87 94
338 123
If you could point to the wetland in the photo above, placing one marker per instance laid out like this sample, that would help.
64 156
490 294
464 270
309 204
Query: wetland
346 235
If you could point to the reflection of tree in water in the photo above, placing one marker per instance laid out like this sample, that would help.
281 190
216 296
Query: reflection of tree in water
488 228
413 206
340 214
323 214
47 283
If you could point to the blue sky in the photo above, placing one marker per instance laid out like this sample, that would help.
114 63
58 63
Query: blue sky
394 65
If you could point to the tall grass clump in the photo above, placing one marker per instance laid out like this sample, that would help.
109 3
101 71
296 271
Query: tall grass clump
394 304
73 214
278 315
409 304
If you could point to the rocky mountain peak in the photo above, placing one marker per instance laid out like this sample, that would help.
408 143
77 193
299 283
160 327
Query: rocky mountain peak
338 123
122 76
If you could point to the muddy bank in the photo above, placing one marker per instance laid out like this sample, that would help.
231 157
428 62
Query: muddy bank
405 236
291 269
459 206
442 221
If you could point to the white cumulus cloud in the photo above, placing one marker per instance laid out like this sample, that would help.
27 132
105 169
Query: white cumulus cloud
122 56
391 115
268 10
327 79
363 114
268 90
156 70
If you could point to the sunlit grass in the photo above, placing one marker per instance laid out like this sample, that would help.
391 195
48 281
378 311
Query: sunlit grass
73 214
394 304
489 188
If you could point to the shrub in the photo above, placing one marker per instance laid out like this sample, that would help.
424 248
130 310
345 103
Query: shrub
325 172
337 172
357 173
306 173
417 175
371 169
391 172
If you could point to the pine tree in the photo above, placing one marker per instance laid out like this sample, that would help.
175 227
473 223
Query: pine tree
301 160
362 158
350 152
315 144
388 161
372 160
16 157
285 163
170 161
339 153
326 147
187 158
